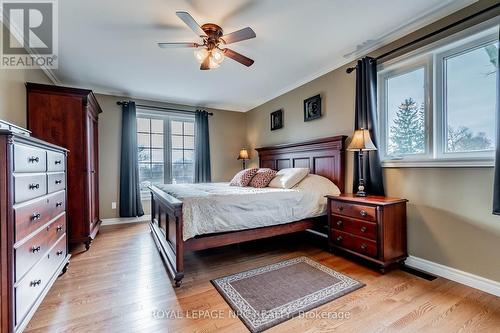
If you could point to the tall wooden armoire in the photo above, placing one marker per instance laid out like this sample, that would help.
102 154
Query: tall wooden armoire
68 117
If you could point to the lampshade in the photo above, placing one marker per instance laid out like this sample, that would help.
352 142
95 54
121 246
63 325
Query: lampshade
361 140
243 154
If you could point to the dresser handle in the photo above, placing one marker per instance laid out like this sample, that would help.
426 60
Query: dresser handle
58 181
36 216
58 203
34 186
36 249
339 223
363 213
339 239
363 246
35 283
59 228
363 229
34 159
58 162
340 208
59 253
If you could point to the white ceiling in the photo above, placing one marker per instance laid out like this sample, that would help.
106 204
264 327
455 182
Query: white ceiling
110 46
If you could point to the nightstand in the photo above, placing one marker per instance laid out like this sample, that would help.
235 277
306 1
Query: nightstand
372 228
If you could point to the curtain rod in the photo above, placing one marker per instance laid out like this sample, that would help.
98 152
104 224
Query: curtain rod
151 107
429 35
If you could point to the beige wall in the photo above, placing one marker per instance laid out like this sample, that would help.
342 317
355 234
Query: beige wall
449 213
13 93
227 136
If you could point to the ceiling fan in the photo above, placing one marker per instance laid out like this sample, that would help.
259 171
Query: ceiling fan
211 52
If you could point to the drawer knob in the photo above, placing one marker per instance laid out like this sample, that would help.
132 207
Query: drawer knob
363 246
36 249
58 181
34 159
59 253
34 186
36 216
340 208
58 228
35 283
58 203
58 162
363 229
339 239
339 223
363 213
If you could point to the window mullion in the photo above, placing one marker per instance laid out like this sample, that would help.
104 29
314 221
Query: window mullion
167 156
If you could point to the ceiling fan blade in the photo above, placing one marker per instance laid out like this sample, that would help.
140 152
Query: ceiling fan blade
177 45
191 23
205 65
238 57
243 34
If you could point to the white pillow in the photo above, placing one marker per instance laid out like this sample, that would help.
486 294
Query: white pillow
317 183
289 177
316 187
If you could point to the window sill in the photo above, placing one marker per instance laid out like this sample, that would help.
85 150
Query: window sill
480 163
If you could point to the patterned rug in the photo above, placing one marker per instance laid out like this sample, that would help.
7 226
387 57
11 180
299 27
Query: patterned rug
266 296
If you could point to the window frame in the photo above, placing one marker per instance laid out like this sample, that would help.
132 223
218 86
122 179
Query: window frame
383 77
432 57
167 118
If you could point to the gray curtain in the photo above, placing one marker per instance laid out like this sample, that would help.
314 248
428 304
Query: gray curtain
130 195
366 117
496 182
202 172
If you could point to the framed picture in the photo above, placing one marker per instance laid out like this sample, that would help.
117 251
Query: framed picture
276 120
312 108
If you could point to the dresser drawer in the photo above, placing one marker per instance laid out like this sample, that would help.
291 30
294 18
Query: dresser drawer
367 213
30 252
29 186
354 226
357 244
56 182
31 216
55 161
29 159
34 282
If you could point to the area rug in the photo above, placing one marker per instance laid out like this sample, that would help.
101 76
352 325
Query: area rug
266 296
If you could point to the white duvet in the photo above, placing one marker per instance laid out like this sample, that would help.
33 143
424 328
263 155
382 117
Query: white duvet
218 207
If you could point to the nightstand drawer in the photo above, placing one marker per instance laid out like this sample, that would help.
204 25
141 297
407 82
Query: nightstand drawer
353 226
357 244
367 213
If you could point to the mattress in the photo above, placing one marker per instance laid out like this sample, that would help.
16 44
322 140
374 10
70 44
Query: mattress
217 207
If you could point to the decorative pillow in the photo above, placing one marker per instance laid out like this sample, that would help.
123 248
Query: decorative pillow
262 177
243 177
289 177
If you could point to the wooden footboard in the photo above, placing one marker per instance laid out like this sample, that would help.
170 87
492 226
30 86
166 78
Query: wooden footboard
166 229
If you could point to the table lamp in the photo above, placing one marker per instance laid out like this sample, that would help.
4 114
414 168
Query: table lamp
361 142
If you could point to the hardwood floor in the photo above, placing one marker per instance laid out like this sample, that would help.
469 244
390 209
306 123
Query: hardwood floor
121 285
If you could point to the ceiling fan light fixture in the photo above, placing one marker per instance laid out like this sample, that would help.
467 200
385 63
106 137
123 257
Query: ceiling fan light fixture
200 54
212 63
217 55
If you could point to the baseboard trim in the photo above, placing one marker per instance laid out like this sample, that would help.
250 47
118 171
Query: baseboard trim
468 279
125 220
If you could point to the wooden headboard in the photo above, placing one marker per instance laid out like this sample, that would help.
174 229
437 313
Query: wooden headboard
324 157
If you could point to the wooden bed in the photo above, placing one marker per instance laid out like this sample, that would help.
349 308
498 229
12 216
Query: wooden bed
324 157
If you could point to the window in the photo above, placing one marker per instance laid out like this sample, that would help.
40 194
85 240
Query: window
437 105
165 148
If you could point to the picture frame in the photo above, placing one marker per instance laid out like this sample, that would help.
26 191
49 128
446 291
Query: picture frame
312 108
276 120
